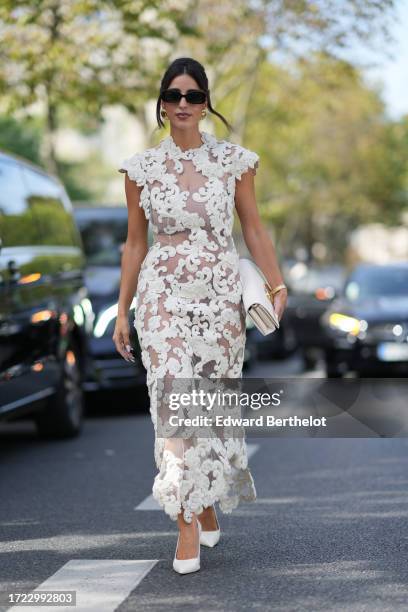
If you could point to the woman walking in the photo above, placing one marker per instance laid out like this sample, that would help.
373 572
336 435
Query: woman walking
189 314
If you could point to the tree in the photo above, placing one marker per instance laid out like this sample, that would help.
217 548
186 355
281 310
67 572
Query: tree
21 137
236 38
331 158
83 54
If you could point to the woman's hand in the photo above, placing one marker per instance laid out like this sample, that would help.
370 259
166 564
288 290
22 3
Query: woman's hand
279 302
121 338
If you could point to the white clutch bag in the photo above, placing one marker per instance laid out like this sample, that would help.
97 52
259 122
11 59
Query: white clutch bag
255 297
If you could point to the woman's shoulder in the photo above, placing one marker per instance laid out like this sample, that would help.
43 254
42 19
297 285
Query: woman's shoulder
241 158
135 167
235 157
139 158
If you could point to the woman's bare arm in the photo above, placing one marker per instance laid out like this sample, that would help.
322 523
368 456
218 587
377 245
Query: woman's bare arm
135 248
134 252
257 238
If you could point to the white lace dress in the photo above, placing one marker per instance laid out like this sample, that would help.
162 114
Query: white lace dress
189 315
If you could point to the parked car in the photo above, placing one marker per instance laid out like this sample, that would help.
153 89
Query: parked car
45 313
312 288
367 325
103 230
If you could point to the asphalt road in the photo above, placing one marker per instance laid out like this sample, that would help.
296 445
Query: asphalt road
327 532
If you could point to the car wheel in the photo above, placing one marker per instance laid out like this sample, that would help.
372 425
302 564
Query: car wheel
63 415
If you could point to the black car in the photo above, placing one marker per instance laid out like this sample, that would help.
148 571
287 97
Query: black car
367 325
312 288
45 313
104 230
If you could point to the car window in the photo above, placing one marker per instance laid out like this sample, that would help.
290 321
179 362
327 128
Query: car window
313 278
103 240
18 225
377 282
104 235
46 199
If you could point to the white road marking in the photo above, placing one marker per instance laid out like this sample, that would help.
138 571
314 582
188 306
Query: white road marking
100 584
149 503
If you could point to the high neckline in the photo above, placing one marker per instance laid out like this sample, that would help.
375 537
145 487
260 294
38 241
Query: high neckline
169 144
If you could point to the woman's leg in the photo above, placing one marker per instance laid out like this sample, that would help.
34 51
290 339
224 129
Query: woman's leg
188 543
208 519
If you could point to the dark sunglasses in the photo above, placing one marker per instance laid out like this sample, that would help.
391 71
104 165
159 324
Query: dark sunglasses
193 96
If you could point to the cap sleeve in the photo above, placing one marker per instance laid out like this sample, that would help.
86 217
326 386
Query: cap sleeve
243 160
135 168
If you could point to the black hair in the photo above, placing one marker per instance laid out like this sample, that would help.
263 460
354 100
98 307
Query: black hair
190 66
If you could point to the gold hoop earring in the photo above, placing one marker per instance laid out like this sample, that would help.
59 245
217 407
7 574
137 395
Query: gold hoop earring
203 113
163 114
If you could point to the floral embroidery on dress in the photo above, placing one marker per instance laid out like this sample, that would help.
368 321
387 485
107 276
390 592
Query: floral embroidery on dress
189 314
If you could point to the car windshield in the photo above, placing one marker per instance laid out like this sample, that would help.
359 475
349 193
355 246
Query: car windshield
377 282
103 240
310 279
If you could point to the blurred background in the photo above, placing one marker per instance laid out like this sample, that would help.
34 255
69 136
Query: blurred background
320 93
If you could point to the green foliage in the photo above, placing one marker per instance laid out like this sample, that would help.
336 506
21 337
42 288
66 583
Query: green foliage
21 137
76 179
331 159
24 137
83 54
71 59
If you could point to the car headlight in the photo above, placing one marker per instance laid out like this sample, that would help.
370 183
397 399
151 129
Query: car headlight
105 318
347 324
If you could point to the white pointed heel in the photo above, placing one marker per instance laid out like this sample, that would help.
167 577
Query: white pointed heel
185 566
211 538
